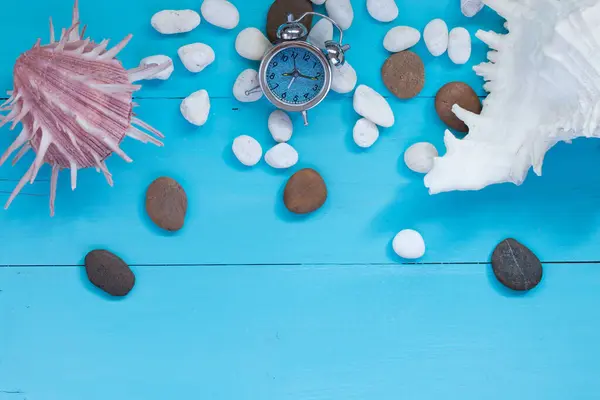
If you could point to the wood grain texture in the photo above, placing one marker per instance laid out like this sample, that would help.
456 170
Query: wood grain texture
287 333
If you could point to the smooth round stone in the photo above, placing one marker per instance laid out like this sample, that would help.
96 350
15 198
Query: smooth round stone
435 36
419 157
515 266
196 56
157 60
404 74
470 7
166 204
305 192
281 156
341 12
245 85
220 13
278 15
343 78
401 38
171 22
247 150
109 272
459 46
196 107
456 93
318 2
371 105
321 33
280 126
365 133
409 244
382 10
250 43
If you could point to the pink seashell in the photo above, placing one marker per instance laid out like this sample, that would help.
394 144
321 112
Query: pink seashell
74 101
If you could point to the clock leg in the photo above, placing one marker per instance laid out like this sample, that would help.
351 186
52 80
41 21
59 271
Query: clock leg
305 116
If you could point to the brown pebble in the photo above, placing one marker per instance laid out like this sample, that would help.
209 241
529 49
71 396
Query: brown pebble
403 74
166 203
278 15
108 272
305 192
456 93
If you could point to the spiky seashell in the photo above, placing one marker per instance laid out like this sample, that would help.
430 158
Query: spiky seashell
543 79
74 101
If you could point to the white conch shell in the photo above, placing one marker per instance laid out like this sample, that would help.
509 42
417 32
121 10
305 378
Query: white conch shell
543 79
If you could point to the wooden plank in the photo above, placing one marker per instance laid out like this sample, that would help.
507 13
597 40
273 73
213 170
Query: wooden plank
236 215
114 19
286 333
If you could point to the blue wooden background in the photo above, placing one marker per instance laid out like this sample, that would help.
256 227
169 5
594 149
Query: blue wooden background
250 302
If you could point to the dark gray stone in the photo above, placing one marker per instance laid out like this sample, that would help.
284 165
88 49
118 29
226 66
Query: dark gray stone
515 266
109 272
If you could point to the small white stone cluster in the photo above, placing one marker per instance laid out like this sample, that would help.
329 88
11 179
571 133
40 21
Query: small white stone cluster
375 110
195 57
457 42
437 39
281 156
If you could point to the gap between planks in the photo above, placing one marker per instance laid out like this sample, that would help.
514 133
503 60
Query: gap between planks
312 264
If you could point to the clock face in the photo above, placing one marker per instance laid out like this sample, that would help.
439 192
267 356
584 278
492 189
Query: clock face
295 75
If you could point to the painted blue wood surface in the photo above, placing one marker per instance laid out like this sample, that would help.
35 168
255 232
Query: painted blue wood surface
290 333
236 215
114 19
339 320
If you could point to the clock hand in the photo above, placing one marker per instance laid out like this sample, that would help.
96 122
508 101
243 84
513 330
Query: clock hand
291 82
314 78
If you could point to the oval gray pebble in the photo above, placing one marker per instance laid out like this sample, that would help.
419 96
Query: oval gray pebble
108 272
515 266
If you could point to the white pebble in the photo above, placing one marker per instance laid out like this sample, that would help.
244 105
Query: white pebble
220 13
436 37
156 60
281 156
341 12
252 44
195 107
459 45
401 38
371 105
365 133
470 7
246 81
280 126
382 10
343 78
196 56
409 244
419 157
247 150
318 2
320 33
169 22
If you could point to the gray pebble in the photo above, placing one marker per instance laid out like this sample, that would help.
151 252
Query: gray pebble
515 266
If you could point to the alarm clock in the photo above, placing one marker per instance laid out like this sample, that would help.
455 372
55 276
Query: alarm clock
294 74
